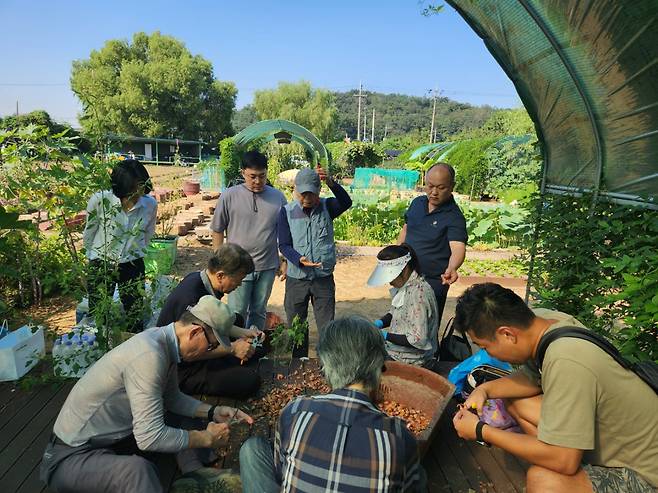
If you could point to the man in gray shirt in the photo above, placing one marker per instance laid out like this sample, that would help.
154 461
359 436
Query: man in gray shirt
125 407
247 215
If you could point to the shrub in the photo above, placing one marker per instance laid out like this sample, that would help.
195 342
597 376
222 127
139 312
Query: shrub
471 166
229 159
606 275
514 166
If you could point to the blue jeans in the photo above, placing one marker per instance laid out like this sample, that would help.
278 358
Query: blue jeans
250 298
257 466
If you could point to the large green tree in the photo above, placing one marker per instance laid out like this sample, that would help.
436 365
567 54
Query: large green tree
314 109
152 87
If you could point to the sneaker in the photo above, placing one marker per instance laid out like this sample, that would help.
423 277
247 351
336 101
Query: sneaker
208 480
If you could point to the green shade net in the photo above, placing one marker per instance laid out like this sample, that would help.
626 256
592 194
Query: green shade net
266 131
587 71
429 151
385 179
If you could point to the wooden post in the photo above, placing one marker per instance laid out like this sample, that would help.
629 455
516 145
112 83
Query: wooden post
157 153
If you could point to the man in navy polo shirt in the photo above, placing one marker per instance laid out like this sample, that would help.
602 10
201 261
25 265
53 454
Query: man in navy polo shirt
436 229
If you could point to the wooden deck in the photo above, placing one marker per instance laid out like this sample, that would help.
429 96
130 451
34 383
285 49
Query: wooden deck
452 465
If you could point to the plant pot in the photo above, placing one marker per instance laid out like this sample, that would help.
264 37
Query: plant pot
418 388
161 255
191 187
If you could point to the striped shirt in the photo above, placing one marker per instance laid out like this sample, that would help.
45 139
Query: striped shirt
340 442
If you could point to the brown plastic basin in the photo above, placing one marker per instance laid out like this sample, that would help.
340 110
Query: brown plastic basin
418 388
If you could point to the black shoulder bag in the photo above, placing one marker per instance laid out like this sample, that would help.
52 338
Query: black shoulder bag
453 347
646 370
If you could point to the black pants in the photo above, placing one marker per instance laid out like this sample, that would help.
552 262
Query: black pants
441 293
321 291
224 377
102 278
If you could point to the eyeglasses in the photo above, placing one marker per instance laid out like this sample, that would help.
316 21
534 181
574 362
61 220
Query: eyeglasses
211 345
255 204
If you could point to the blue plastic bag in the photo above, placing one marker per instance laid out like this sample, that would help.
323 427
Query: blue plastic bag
459 373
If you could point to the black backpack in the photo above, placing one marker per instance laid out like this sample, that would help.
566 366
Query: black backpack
646 370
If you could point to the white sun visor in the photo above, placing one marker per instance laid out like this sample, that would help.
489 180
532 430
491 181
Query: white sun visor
387 270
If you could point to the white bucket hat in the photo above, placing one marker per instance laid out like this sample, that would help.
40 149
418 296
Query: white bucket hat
387 270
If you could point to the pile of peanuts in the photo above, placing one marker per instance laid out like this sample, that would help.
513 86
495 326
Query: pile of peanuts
417 421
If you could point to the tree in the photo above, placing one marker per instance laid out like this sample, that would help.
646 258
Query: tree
41 118
153 87
244 117
314 109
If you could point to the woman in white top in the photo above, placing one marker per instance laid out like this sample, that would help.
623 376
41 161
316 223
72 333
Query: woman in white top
410 328
119 226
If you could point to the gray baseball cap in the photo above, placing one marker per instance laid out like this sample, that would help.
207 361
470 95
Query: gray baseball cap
307 180
215 315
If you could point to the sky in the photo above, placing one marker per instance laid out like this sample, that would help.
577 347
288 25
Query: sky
387 45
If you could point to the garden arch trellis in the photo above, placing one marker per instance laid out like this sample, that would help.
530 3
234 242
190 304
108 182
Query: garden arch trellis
284 131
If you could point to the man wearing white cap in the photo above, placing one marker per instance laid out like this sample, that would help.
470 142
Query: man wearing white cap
410 328
124 407
306 240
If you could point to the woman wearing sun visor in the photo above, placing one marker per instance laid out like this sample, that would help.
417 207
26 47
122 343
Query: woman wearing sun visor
410 327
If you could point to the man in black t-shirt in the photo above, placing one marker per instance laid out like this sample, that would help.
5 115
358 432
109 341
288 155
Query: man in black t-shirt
221 373
436 229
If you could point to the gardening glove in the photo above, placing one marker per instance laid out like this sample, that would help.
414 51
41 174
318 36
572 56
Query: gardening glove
379 323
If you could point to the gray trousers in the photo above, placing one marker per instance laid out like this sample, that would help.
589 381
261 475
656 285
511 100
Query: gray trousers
321 291
119 468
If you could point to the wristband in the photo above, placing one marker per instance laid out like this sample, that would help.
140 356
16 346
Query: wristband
211 413
478 434
384 333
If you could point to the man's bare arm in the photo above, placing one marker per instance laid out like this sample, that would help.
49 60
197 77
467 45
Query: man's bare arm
217 240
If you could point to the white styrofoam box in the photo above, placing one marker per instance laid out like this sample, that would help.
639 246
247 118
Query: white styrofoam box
20 350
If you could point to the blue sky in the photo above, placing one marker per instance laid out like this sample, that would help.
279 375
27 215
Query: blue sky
386 44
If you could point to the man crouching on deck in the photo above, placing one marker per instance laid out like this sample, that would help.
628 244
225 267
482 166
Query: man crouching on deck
590 424
128 406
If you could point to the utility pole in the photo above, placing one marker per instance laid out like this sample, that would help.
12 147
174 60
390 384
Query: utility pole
434 93
365 125
372 135
385 132
358 116
17 107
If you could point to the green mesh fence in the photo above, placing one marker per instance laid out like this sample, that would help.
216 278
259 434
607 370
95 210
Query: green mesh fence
385 179
212 179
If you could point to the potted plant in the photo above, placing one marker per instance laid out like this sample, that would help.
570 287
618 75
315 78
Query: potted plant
162 250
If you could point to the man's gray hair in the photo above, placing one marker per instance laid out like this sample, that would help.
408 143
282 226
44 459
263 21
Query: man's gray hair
232 260
351 351
445 166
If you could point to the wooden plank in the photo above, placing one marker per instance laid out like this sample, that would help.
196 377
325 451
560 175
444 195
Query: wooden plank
19 417
7 392
25 474
28 434
472 471
436 480
513 470
491 468
443 457
20 400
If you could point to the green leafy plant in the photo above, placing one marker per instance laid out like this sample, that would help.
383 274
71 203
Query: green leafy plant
599 264
284 339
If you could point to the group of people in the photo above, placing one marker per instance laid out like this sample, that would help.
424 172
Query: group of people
135 403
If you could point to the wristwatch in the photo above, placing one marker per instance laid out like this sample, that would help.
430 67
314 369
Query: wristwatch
478 434
211 413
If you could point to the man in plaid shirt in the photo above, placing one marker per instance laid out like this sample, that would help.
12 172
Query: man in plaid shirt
340 441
